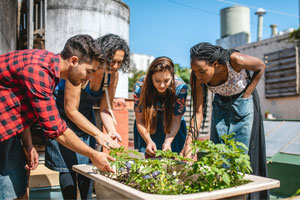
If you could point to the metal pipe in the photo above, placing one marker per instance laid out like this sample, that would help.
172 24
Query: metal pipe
260 12
274 29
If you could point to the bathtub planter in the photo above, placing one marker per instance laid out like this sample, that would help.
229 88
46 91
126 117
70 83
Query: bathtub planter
107 188
220 173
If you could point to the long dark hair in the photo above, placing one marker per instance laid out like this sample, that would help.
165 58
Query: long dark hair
209 53
150 96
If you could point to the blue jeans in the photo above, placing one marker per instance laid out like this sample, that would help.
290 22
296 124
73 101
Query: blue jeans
60 158
232 114
13 179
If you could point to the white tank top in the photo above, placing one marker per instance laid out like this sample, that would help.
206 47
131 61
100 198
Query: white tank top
236 83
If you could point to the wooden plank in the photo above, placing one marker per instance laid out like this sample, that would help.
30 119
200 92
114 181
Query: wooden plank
281 67
281 90
276 74
280 95
290 52
43 177
279 62
278 80
30 24
280 85
45 17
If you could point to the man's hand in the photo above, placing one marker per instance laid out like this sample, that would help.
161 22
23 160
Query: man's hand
32 158
106 141
100 160
151 148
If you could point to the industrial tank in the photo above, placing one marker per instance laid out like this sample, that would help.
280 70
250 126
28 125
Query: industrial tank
8 26
235 19
66 18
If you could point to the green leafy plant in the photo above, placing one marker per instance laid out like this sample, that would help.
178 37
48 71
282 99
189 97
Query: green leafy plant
294 36
136 75
220 166
183 73
297 193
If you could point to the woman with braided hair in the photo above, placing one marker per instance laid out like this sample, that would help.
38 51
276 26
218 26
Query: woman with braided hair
236 107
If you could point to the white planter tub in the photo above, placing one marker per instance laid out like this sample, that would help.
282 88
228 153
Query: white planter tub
107 188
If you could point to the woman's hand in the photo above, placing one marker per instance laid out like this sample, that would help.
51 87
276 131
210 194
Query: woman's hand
115 135
186 151
151 148
166 146
106 141
32 157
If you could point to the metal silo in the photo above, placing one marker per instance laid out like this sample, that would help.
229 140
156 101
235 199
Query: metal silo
66 18
8 26
235 19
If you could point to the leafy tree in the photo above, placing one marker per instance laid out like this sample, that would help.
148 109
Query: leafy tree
136 74
295 36
183 73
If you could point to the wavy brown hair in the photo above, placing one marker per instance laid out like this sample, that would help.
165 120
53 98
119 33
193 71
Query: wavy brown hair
150 96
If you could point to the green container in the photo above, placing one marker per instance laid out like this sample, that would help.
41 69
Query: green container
286 169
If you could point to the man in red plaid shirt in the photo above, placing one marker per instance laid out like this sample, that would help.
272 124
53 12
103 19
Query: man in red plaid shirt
27 81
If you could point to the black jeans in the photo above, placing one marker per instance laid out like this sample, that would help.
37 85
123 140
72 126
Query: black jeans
68 185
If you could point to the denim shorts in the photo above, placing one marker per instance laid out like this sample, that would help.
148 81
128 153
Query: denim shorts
13 179
232 115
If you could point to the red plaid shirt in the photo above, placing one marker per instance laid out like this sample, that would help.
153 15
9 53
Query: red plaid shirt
27 81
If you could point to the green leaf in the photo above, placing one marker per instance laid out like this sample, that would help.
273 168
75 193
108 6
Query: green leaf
226 179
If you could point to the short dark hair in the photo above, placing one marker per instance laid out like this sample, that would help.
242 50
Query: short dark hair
110 43
84 47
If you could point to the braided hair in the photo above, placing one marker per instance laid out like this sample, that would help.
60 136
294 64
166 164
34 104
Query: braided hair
209 53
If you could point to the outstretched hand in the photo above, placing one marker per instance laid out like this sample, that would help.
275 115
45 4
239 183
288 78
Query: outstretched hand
100 160
106 141
115 135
